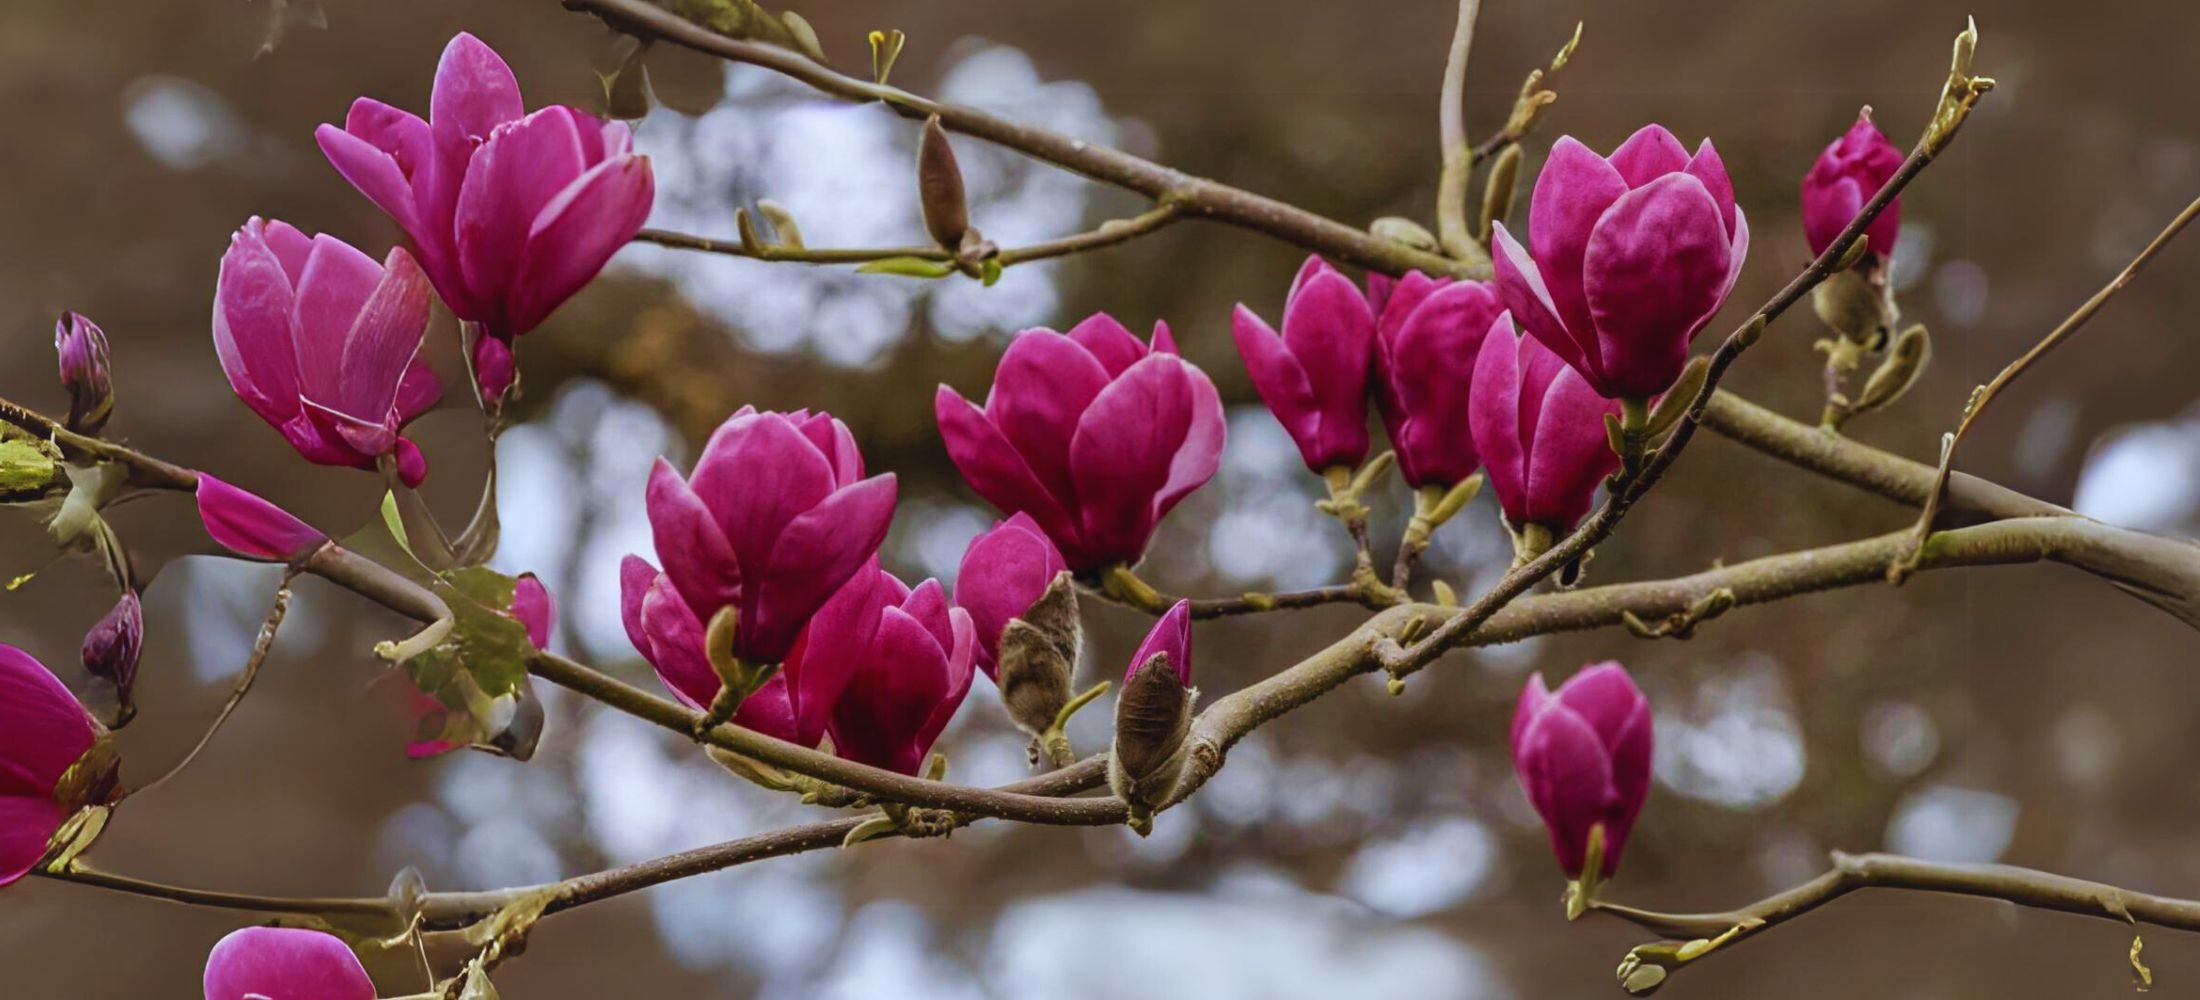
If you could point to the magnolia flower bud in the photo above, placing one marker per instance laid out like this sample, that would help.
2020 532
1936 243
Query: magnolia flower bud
1153 716
112 648
1858 305
940 187
1313 376
1038 655
82 348
1582 754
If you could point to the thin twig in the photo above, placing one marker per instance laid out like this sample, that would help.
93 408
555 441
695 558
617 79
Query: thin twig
1453 230
261 645
1106 234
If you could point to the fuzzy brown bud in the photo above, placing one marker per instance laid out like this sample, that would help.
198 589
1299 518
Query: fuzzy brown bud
1038 656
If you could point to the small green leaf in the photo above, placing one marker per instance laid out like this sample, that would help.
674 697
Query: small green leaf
908 267
990 272
394 522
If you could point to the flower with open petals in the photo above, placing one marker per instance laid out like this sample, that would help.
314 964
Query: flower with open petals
1583 756
510 212
54 760
324 344
1314 376
906 683
1633 255
285 963
1428 333
1092 433
775 519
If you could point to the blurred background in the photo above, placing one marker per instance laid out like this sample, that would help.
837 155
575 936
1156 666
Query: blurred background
1365 846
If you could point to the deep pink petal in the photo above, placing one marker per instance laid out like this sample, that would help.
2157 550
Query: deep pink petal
371 169
575 235
1327 327
1111 343
1521 287
1706 166
676 644
699 561
829 653
337 282
1569 453
509 181
1657 267
252 311
756 474
249 526
1171 635
475 90
1493 418
1650 153
1434 354
1042 386
43 730
27 825
1121 455
1282 384
285 963
818 552
1574 190
1201 455
1003 572
533 607
1532 696
993 468
1563 767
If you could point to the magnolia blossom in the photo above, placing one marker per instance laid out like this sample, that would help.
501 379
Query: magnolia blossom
1428 334
1852 169
80 346
1583 756
54 760
906 683
324 344
1633 255
1004 571
510 212
1092 433
1314 376
1540 428
285 963
249 526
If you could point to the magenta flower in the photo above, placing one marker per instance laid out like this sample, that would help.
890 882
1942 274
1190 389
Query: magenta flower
511 213
1633 255
1092 433
1171 636
1583 756
81 347
324 344
776 517
1004 571
1845 176
252 527
796 704
906 684
285 963
533 607
112 647
1314 376
1429 331
1540 429
44 734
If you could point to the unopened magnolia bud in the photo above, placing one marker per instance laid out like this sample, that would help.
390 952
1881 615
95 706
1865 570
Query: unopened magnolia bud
1398 229
1906 361
112 648
1153 717
1857 304
1038 656
940 187
82 348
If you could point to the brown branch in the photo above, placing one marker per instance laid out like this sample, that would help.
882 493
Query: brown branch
145 470
1195 196
1106 234
1695 935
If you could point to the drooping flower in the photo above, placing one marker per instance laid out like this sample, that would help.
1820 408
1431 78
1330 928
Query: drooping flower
285 963
906 684
54 760
249 526
1429 331
324 344
1852 169
81 348
774 520
1153 717
112 648
1092 433
1633 255
1004 572
510 212
1313 377
1582 754
1540 429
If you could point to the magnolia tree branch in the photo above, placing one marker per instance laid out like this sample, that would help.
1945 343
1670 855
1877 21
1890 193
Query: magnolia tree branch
1454 230
1694 935
1195 197
1106 234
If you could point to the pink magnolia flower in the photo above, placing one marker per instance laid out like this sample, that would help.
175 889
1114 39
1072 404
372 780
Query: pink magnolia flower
1429 332
1583 756
1633 255
907 682
81 348
285 963
796 704
249 526
1314 376
324 344
1852 169
1092 433
510 212
776 517
1171 636
44 733
1003 573
112 647
1540 429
